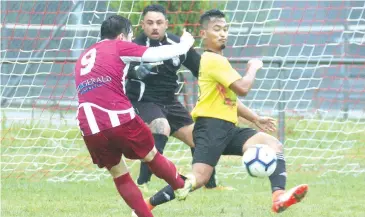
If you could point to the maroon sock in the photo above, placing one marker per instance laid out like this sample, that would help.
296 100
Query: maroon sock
132 195
166 170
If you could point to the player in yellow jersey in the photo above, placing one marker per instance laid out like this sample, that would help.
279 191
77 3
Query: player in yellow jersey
216 115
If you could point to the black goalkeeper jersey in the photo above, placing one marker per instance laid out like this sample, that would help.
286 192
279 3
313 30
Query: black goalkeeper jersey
161 87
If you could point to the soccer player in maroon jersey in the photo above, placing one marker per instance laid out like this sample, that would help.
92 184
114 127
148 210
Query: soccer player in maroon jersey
109 125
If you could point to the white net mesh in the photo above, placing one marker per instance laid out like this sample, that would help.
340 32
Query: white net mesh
312 81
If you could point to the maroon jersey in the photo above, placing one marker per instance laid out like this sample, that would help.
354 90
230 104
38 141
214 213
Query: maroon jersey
100 82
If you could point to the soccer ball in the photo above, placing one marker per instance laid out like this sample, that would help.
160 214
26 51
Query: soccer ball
259 160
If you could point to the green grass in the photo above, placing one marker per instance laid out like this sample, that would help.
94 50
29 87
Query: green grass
328 196
34 153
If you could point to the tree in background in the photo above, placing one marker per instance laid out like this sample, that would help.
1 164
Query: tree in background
179 13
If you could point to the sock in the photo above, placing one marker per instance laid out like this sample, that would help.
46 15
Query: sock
166 170
145 173
212 182
160 141
192 151
278 178
164 195
132 195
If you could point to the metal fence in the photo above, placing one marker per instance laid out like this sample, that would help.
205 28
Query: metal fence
310 63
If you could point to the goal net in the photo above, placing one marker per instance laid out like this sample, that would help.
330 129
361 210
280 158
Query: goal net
312 81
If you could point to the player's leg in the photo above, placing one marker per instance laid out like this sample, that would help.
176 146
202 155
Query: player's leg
104 155
163 169
199 177
160 131
182 126
210 141
140 145
278 178
128 190
281 199
211 137
152 114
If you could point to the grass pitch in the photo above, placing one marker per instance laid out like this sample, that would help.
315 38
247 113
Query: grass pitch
33 154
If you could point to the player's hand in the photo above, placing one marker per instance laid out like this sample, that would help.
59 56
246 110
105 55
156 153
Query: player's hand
187 38
267 124
142 71
255 64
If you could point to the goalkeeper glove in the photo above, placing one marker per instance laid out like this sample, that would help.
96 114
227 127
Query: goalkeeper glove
142 71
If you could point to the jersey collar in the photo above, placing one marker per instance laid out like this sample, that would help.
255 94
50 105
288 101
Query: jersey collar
207 50
148 40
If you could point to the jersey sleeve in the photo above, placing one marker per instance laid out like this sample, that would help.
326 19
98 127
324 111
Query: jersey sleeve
132 70
129 51
192 62
221 70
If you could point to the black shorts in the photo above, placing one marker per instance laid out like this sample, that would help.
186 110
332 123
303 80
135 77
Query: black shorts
175 113
215 137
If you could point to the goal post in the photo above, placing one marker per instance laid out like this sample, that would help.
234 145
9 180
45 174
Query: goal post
312 81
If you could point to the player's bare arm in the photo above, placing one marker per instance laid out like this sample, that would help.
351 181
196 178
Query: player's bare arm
242 86
266 124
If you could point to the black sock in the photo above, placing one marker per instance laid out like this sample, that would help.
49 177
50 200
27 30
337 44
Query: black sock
278 178
212 182
144 172
160 142
192 151
164 195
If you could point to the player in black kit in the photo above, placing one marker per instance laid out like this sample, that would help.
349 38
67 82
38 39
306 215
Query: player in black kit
151 88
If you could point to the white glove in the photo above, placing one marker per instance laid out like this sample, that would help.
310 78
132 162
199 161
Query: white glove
187 38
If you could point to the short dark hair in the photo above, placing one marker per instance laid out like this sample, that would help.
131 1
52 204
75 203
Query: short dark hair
155 8
114 26
206 17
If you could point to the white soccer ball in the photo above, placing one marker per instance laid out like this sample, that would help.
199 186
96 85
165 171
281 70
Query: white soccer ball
259 160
